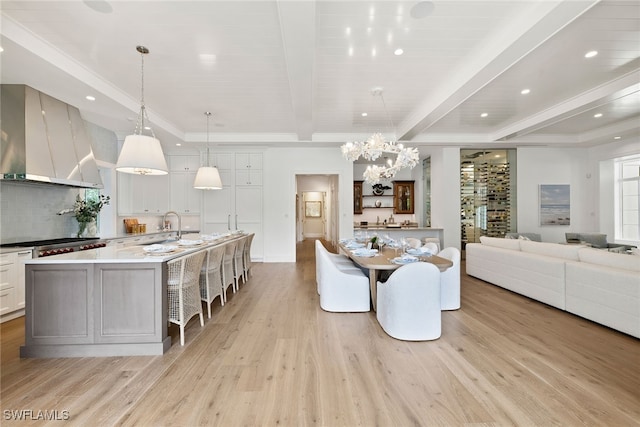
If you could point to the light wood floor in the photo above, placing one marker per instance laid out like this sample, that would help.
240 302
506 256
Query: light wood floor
271 357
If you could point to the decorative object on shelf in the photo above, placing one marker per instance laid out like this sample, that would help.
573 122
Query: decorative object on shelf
378 189
208 177
378 203
376 146
142 154
86 213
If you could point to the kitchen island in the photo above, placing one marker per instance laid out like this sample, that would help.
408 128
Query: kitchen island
110 301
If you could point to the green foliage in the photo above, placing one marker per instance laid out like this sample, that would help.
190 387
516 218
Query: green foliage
87 210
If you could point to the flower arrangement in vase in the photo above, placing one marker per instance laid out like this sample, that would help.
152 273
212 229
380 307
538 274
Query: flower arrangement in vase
86 212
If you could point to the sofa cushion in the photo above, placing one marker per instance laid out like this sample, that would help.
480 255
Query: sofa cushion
609 259
555 250
513 244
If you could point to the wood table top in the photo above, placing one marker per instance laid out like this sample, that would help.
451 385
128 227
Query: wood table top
382 261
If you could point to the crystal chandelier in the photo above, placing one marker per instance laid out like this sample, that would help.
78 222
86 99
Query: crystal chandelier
375 147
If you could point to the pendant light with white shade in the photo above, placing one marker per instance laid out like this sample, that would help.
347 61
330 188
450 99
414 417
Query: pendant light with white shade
142 154
208 177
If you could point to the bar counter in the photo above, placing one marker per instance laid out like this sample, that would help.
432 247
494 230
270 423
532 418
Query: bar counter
399 232
100 302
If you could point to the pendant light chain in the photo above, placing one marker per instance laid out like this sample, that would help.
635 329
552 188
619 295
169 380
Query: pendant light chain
143 110
208 114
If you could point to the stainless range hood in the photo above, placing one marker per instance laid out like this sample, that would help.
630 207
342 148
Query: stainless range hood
44 139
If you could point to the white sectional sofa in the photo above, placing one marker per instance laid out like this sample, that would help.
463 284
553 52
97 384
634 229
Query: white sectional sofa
595 284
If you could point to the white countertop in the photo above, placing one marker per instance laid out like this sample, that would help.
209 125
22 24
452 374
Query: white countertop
129 254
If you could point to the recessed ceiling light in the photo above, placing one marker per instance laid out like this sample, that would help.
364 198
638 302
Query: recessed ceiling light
617 137
525 91
591 54
373 52
364 114
398 52
207 58
597 115
90 98
484 114
147 127
351 51
178 144
1 49
347 31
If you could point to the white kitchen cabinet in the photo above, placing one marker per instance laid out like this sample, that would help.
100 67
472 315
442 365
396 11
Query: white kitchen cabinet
184 163
248 161
140 194
239 205
249 177
20 295
183 198
8 278
12 295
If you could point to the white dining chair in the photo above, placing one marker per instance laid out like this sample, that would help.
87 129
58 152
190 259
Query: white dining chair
450 280
432 247
408 303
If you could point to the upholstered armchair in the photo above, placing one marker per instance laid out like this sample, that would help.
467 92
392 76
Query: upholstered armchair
342 286
408 304
450 280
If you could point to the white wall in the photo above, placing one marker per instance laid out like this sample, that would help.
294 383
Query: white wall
544 165
281 165
445 193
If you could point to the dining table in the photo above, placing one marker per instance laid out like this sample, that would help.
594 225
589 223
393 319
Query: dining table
383 261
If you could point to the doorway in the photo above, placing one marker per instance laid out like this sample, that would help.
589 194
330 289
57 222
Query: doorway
317 207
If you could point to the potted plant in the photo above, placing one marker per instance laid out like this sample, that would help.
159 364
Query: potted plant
86 213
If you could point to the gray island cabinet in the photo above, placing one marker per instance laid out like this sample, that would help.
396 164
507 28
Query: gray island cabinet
102 302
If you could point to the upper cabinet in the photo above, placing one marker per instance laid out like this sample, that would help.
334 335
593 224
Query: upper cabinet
183 198
403 197
357 197
249 169
142 194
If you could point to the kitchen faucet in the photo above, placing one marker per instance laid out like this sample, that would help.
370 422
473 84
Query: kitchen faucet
164 221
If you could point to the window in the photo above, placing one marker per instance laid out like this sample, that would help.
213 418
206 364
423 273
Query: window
627 172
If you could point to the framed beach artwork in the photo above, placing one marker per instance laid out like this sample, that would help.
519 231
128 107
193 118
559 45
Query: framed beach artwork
555 205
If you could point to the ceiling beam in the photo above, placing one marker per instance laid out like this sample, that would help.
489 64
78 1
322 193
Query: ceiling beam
507 47
297 21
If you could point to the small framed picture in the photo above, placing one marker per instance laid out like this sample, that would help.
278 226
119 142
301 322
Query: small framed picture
313 209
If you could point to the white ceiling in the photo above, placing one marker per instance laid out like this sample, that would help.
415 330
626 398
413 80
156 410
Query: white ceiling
301 72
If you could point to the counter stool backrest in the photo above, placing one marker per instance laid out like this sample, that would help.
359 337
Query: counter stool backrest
238 262
183 288
227 265
247 254
211 277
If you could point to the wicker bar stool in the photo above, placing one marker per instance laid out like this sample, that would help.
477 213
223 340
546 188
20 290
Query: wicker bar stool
238 263
183 287
247 255
211 277
227 267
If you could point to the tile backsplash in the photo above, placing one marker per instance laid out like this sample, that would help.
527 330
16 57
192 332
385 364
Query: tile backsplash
28 211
